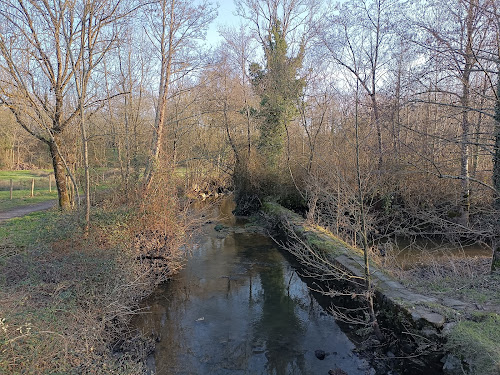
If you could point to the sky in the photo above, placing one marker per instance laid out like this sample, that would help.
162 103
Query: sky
226 17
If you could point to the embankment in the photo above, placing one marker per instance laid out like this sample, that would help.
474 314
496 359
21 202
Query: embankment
416 326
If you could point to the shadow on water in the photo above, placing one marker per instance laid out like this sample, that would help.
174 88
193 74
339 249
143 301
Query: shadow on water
239 307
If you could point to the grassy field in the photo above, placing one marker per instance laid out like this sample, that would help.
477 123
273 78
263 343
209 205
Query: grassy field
21 194
25 175
22 198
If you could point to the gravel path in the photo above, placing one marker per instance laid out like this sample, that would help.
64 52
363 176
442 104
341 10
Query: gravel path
25 210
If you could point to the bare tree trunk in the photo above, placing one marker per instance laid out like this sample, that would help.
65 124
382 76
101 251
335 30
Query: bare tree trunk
85 152
167 52
368 285
464 101
376 122
495 262
127 143
59 175
477 130
464 158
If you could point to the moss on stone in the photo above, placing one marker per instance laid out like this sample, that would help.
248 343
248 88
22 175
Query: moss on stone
476 343
329 248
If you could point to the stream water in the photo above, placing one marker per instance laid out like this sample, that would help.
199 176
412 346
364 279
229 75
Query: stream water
239 307
407 254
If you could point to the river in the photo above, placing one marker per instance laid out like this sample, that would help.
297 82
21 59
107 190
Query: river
239 307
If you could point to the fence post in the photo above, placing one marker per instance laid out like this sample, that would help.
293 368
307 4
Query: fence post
11 187
50 183
32 187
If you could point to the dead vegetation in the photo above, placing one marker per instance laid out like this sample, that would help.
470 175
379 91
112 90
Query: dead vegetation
466 279
66 300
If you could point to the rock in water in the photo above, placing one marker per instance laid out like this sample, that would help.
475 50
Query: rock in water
452 365
337 371
320 354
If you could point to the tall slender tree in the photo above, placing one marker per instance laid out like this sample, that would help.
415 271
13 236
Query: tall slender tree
173 28
495 263
358 38
456 41
96 25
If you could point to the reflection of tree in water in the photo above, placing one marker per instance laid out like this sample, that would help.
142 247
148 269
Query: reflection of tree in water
279 328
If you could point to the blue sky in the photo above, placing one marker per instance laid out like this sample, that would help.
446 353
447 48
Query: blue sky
225 16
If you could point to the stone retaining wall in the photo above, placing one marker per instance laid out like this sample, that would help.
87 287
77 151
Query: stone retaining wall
413 320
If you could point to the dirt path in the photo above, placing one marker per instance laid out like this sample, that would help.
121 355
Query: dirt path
25 210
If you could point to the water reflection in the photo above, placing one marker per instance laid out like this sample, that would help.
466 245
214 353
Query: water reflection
237 308
279 330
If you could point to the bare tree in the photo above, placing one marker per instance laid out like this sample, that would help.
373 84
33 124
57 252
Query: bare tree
297 18
240 49
36 72
95 23
495 263
358 36
457 40
173 28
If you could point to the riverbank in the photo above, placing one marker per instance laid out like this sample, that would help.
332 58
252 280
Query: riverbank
67 297
421 327
239 306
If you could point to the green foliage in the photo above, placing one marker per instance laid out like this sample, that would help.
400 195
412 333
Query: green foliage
279 90
477 343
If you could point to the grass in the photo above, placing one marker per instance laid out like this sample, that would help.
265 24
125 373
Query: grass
22 198
468 280
21 194
63 300
24 175
23 231
474 339
67 297
476 342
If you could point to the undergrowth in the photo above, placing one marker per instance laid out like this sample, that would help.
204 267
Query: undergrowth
66 297
466 279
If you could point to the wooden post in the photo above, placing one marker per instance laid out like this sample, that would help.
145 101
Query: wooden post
50 183
32 187
11 187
